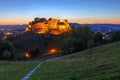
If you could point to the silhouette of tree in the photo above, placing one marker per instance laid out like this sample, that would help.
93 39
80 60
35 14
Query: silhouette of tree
4 45
7 54
98 40
115 36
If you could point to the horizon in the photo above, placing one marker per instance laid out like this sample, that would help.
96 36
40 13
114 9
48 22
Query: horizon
75 11
69 23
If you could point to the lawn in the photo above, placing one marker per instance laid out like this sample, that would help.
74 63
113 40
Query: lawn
103 63
15 70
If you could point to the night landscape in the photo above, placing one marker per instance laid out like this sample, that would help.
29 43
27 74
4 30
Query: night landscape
59 39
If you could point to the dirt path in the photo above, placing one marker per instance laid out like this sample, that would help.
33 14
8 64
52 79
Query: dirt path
27 76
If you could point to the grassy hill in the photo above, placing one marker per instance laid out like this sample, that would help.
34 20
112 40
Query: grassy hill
15 70
100 63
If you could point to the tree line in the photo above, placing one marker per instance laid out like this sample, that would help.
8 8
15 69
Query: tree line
78 39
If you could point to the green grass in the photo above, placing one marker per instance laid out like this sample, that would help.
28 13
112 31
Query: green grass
102 64
15 70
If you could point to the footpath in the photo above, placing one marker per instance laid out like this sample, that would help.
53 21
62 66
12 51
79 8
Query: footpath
27 76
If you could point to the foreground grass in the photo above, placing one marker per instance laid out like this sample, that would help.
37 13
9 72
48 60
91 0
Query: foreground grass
15 70
103 63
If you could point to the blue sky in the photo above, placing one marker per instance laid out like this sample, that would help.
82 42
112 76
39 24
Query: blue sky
81 11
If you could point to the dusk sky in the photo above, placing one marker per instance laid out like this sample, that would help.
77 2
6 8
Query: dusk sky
79 11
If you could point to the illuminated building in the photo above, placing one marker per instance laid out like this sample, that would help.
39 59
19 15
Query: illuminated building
52 26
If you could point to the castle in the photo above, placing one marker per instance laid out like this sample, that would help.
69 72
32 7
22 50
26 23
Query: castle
52 26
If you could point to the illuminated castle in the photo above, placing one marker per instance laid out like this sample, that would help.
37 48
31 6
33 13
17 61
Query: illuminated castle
52 26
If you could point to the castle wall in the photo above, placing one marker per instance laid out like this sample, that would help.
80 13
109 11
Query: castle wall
53 26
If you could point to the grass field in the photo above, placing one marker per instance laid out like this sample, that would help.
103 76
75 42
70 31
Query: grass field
102 63
15 70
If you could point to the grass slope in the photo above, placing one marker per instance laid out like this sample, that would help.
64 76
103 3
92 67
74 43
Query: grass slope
102 63
15 70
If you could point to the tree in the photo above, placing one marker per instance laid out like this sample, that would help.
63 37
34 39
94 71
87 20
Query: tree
115 36
68 45
82 33
98 39
90 43
77 39
34 52
7 55
4 45
72 49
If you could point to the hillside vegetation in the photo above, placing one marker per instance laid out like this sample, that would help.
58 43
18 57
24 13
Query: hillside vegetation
100 63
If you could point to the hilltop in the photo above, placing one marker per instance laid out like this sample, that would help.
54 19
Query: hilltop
99 63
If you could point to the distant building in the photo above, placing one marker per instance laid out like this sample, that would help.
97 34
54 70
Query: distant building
52 26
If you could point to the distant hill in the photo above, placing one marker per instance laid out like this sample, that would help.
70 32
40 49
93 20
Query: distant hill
19 27
100 27
100 63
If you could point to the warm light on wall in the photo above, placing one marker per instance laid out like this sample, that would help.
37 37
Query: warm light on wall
53 51
27 55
